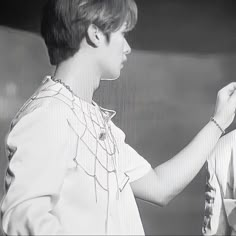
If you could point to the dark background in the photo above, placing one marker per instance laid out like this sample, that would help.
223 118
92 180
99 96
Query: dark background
184 51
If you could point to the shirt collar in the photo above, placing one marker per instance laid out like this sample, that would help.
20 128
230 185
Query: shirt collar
87 107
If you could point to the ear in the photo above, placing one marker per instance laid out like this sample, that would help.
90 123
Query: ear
94 36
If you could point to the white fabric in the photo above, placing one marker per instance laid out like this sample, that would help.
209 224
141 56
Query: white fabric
63 178
220 203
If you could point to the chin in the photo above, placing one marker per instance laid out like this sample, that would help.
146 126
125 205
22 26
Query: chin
103 79
112 77
117 75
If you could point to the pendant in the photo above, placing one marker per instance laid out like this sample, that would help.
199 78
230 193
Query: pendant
102 135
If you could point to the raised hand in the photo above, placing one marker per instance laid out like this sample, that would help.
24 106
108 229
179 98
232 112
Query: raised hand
225 105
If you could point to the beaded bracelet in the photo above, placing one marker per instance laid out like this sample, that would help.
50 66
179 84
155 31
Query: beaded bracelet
216 123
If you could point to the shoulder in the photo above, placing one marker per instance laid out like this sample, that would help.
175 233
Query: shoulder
117 132
33 110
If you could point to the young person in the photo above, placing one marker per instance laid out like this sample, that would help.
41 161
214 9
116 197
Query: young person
70 170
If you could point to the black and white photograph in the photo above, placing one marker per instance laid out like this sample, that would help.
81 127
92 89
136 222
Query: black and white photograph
117 117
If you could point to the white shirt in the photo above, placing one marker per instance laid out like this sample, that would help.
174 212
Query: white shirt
220 202
69 169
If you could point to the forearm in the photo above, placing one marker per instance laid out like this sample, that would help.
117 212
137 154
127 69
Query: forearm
174 175
163 183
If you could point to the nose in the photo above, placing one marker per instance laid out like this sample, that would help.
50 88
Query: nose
127 48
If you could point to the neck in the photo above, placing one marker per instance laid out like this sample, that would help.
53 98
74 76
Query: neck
78 75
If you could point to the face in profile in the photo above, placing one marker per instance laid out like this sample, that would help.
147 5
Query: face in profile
115 54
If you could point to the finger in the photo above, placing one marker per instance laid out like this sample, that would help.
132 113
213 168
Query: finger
229 89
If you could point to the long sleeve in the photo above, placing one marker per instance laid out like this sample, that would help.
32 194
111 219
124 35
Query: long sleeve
38 147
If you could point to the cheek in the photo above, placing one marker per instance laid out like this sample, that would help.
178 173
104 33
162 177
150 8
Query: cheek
122 43
118 44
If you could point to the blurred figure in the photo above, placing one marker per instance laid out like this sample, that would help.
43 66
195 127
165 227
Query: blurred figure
70 170
220 202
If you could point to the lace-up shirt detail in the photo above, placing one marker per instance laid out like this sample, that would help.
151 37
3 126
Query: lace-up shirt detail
69 169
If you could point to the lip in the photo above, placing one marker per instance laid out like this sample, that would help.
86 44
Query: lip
123 62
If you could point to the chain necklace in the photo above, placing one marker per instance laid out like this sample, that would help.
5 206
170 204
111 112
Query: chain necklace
65 85
103 134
